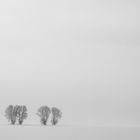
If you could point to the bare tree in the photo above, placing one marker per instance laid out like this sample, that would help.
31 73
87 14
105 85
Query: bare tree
21 113
56 115
44 113
10 114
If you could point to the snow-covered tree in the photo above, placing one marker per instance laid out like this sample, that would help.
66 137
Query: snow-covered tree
56 115
44 113
21 113
10 114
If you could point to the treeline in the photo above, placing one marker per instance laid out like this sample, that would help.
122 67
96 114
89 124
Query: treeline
18 113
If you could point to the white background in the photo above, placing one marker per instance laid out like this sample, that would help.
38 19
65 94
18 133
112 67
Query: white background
82 56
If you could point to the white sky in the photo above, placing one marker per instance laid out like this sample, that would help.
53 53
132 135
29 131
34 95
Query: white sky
80 55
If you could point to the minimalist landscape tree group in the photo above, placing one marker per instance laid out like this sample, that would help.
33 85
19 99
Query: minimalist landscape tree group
18 113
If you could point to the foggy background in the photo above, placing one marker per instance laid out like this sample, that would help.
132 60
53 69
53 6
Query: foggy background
82 56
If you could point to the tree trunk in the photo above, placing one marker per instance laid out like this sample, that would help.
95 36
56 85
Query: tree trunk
54 121
20 122
43 121
13 122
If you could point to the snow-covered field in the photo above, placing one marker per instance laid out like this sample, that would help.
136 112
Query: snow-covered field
36 132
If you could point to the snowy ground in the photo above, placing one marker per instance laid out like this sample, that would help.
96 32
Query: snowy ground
37 132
